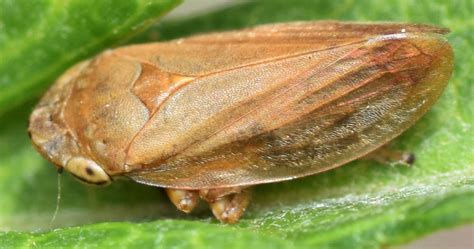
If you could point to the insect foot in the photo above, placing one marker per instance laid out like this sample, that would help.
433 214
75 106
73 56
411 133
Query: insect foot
184 200
227 204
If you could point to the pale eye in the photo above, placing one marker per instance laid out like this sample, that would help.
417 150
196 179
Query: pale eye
87 171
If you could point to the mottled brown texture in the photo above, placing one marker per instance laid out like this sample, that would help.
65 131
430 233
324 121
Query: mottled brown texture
240 108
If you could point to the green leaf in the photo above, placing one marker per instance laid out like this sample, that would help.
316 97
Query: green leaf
360 205
40 39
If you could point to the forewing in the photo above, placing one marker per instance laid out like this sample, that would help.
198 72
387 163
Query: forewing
214 52
294 115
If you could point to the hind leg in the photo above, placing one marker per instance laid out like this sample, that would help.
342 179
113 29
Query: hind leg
389 156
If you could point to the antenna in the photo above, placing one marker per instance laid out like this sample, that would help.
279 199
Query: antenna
58 197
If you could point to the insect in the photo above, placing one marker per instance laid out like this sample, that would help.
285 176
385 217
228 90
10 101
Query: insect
208 116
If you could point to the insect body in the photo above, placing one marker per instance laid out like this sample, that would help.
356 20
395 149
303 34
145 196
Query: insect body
209 115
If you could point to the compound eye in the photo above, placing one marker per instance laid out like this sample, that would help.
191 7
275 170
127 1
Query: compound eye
87 171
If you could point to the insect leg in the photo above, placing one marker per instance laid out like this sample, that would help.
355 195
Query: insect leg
228 204
184 200
211 195
386 155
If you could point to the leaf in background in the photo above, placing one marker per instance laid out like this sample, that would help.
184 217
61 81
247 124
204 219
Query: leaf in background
40 39
360 205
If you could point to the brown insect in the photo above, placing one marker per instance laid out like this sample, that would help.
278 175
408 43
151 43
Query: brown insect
210 115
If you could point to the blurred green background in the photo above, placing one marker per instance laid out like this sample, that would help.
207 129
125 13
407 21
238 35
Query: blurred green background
360 205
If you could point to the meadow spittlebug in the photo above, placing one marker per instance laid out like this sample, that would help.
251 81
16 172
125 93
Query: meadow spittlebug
210 115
